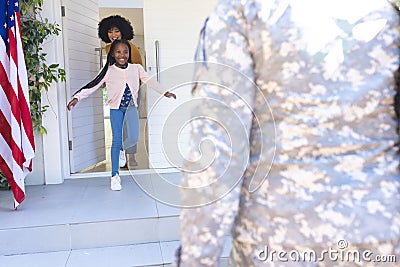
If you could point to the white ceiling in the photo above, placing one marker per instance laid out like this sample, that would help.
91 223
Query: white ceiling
134 15
121 3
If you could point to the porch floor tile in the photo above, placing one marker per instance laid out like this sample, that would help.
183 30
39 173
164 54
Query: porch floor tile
82 200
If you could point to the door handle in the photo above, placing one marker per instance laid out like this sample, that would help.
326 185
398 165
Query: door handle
157 45
100 50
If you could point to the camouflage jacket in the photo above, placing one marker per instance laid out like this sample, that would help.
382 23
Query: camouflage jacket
294 145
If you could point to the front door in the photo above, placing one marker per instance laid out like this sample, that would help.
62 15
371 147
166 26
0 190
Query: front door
82 63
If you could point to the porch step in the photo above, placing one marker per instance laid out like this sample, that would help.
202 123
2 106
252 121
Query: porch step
83 214
144 255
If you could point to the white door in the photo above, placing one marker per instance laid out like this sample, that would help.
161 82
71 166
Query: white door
175 26
82 64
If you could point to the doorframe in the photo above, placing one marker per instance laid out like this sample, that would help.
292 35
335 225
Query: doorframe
64 34
69 154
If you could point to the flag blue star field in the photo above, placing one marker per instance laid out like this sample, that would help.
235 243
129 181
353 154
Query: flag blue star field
17 147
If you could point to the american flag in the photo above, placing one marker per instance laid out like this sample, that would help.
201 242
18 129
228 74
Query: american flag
16 135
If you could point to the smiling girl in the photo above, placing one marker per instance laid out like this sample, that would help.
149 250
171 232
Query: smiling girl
122 80
114 28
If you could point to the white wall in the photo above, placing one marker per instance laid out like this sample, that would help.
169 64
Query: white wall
176 25
121 3
36 177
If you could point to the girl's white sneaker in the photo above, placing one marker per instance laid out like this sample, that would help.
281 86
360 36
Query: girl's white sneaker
116 183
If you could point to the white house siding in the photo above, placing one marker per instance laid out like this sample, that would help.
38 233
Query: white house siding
176 25
86 127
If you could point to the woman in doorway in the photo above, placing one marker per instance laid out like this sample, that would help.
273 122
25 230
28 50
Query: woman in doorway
122 80
113 28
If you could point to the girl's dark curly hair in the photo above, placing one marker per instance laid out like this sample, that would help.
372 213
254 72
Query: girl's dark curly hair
117 21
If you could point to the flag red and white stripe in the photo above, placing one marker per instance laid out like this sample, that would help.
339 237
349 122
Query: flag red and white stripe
17 147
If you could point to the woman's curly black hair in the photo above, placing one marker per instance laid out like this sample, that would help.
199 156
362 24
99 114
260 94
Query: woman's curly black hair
117 21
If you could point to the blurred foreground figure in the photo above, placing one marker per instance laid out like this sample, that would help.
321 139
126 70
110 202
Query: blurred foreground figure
294 148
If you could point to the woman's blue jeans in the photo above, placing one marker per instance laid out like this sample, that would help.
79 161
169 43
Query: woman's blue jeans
117 121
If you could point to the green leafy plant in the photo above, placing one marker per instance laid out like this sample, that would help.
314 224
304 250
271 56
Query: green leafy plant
3 182
35 31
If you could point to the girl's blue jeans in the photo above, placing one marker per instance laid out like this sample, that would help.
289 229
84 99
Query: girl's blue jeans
117 121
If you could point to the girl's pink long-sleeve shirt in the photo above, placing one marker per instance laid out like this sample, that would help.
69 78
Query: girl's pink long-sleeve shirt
116 80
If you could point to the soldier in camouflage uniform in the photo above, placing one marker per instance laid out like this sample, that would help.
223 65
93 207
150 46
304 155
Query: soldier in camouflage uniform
316 135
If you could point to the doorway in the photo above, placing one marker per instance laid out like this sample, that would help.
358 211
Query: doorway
135 16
